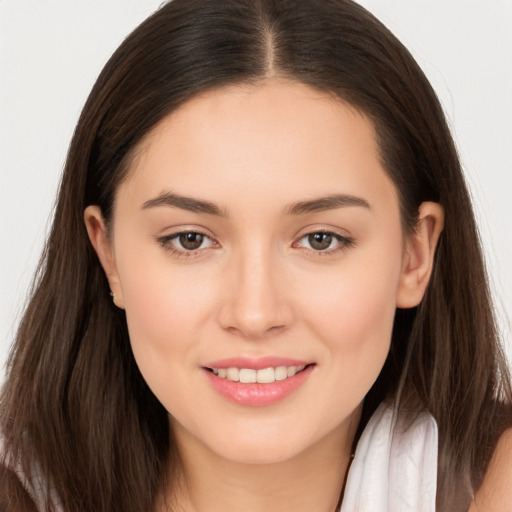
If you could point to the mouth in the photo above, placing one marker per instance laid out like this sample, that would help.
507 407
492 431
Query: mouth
260 376
259 383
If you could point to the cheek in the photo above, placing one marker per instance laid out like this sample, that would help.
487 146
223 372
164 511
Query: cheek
159 309
163 311
356 321
160 296
357 298
353 312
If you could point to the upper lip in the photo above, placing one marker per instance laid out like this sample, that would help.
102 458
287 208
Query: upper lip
256 363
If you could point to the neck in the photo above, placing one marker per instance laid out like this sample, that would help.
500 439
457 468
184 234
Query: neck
311 480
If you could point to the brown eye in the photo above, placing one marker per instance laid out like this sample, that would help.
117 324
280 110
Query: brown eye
320 241
191 241
187 243
324 242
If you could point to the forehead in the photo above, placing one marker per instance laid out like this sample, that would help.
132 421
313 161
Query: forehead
282 139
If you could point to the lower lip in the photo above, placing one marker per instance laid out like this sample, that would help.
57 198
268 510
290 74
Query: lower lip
255 394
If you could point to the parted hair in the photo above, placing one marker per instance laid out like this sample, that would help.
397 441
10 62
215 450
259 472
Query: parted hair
74 403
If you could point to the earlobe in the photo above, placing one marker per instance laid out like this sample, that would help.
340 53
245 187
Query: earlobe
98 235
419 254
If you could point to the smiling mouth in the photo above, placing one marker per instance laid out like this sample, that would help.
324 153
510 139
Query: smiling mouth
262 376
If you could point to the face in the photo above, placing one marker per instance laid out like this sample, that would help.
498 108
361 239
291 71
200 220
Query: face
257 237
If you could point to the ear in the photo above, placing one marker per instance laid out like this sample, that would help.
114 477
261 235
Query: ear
97 231
419 253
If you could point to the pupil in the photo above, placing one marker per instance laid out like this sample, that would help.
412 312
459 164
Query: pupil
320 241
191 241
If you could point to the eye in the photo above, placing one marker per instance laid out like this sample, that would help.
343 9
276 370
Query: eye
320 241
186 242
324 241
191 241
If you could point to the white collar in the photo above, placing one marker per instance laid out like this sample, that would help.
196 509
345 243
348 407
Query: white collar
395 465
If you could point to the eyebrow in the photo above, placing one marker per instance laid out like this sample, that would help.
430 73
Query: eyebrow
191 204
326 203
185 203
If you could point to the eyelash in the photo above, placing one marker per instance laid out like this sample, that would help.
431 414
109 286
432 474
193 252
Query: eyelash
344 242
166 243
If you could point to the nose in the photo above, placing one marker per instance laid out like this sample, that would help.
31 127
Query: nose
255 302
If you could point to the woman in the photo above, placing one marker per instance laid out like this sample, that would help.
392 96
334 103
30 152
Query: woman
263 267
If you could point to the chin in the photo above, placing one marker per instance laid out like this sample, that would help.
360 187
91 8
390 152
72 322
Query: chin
258 454
260 445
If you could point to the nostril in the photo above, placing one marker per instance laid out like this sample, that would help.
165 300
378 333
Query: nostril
255 331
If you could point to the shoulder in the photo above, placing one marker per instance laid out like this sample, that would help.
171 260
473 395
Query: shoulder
495 493
13 495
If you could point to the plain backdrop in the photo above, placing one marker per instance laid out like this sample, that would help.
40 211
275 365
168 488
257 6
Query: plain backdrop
51 52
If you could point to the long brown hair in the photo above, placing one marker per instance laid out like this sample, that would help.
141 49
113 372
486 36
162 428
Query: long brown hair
75 403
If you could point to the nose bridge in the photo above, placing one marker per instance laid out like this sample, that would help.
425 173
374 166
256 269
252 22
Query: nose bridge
256 302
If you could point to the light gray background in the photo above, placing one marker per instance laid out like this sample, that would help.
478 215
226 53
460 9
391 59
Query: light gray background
51 51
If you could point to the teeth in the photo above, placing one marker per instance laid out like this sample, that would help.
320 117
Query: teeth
264 376
233 374
247 375
281 372
291 371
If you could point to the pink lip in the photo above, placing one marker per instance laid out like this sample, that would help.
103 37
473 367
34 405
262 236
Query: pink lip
255 394
256 364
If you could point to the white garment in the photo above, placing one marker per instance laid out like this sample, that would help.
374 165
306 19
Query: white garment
395 465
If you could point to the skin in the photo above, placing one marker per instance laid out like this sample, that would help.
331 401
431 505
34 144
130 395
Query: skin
494 494
256 287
